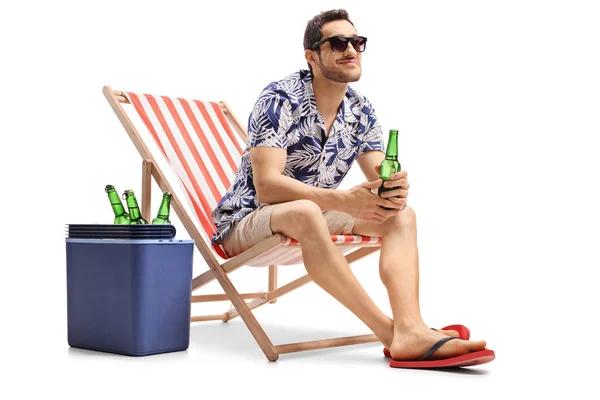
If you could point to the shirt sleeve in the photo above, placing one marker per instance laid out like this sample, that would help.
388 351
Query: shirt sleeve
372 138
270 121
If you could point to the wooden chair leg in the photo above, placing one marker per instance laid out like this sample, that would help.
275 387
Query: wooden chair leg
244 312
146 189
272 281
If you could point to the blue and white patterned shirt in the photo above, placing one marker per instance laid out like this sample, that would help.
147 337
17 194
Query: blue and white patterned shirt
286 116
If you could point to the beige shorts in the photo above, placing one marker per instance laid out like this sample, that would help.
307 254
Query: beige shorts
256 227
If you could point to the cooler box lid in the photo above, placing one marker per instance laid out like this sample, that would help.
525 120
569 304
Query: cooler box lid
113 231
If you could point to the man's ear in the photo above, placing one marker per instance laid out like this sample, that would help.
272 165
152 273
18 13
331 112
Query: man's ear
310 57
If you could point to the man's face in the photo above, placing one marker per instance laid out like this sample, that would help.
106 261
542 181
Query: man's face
341 67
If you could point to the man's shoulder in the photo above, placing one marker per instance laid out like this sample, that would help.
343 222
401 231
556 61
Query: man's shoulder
290 88
292 81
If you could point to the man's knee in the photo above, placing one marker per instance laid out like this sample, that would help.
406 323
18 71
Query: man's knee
298 217
404 220
305 210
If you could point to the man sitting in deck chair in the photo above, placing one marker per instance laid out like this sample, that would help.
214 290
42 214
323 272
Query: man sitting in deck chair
304 133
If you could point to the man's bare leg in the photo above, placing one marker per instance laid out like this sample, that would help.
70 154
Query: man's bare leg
399 271
303 220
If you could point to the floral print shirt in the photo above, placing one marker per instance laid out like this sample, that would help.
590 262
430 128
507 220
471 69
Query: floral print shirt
286 116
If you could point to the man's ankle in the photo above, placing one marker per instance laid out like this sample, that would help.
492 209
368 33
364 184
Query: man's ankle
409 325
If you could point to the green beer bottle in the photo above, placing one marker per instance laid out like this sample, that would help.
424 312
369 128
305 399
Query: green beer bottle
163 211
390 164
121 217
134 210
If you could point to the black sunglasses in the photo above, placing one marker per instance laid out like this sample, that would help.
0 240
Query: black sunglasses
340 43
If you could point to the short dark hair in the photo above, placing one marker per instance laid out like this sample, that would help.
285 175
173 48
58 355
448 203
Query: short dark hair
313 33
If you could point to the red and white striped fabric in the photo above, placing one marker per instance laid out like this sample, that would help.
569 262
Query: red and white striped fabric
200 145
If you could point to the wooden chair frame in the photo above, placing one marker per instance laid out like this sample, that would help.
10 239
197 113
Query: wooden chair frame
220 271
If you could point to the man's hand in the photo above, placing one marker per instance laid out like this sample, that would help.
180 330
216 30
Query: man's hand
362 203
399 181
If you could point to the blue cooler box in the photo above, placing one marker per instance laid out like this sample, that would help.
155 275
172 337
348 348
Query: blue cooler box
126 294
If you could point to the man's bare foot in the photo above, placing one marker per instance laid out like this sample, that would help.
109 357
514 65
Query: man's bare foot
452 333
449 333
412 345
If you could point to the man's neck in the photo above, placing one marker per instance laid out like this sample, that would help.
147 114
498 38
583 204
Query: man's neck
328 95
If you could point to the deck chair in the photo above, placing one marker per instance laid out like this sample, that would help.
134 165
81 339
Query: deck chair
197 140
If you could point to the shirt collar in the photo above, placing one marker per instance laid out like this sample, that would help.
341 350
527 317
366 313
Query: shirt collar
309 104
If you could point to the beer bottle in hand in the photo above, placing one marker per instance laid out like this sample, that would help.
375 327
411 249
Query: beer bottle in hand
390 164
121 217
163 211
134 210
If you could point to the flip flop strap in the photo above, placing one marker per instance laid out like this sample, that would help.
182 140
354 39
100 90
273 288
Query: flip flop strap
436 346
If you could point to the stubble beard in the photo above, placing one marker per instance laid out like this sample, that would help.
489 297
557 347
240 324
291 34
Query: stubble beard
338 76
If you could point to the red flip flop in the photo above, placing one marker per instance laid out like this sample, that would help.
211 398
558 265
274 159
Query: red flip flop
465 360
463 333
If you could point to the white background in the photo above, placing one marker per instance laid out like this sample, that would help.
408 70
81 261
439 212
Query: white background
497 107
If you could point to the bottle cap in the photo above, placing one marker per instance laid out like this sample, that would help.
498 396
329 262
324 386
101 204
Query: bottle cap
394 131
109 187
125 193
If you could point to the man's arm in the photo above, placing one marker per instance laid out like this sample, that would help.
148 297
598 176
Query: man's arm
273 187
369 162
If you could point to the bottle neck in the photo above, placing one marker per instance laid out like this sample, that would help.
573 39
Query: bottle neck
163 211
115 203
134 210
392 147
